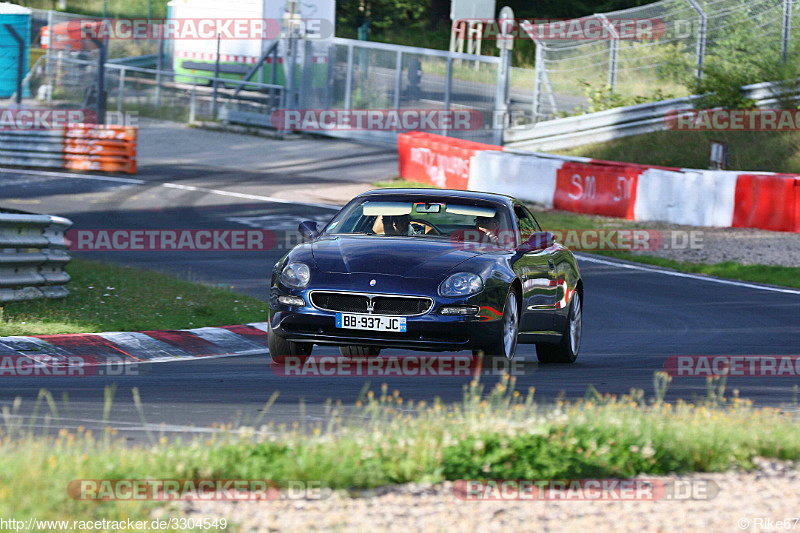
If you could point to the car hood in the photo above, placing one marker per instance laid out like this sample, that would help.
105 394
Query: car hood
410 257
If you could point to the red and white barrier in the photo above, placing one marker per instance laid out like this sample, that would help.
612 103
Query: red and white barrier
437 160
533 179
635 192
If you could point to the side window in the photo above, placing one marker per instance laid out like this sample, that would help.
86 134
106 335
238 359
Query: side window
525 222
530 215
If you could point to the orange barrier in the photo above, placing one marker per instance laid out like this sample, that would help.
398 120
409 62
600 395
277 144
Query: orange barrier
437 160
767 202
100 147
598 189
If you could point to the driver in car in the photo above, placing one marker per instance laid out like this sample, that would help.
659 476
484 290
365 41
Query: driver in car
489 226
398 225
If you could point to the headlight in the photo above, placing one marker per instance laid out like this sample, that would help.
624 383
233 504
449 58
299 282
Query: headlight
295 275
461 284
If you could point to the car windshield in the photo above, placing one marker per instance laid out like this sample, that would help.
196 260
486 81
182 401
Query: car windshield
422 217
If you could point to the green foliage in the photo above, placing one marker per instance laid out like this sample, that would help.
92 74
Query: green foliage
602 98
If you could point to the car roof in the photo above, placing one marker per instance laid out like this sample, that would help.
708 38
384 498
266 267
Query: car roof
444 193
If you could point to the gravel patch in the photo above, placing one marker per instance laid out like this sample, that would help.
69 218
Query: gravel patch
741 245
770 492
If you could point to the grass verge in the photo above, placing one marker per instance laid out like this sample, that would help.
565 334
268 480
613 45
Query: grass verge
765 151
500 433
107 297
562 220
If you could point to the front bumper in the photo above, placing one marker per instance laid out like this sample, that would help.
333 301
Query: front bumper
429 332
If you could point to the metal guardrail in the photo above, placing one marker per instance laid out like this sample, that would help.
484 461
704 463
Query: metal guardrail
32 148
33 254
75 147
616 123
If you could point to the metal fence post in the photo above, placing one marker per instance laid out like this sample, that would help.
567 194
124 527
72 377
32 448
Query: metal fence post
501 95
613 52
786 32
701 37
538 65
307 75
159 68
216 77
193 102
348 80
448 86
50 69
121 90
398 79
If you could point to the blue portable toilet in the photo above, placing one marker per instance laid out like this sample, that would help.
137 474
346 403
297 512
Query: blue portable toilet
19 18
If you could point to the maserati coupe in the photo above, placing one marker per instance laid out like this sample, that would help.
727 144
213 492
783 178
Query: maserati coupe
430 270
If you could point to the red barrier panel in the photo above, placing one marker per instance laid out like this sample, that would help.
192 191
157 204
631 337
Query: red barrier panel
767 202
597 189
437 160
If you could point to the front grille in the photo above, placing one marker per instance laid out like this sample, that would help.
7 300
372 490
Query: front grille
344 302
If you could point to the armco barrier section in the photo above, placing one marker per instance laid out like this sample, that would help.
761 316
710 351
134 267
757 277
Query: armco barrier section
75 147
33 255
636 192
437 160
767 201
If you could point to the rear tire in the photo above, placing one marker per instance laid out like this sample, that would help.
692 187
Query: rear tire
567 350
280 348
504 347
359 351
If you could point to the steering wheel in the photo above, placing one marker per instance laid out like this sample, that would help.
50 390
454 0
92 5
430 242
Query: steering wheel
427 224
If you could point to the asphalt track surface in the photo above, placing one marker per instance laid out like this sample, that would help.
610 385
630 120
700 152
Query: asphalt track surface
634 316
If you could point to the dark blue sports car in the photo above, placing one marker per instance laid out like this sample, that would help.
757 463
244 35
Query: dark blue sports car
432 270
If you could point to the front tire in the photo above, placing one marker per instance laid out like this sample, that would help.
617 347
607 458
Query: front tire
280 348
567 350
505 345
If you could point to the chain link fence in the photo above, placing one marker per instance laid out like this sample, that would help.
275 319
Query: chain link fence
689 35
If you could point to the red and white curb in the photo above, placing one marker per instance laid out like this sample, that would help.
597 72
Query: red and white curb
140 347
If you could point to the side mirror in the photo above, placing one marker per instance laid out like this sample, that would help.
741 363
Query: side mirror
308 229
540 240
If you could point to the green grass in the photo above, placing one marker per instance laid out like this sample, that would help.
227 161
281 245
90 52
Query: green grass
563 220
399 183
106 297
764 151
769 274
501 433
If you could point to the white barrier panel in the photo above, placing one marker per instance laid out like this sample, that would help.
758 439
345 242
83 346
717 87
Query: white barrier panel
526 177
692 197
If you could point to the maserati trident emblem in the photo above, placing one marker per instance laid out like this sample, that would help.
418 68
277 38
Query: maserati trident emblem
372 283
370 306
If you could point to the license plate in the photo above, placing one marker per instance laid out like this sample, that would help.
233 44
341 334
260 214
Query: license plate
372 323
